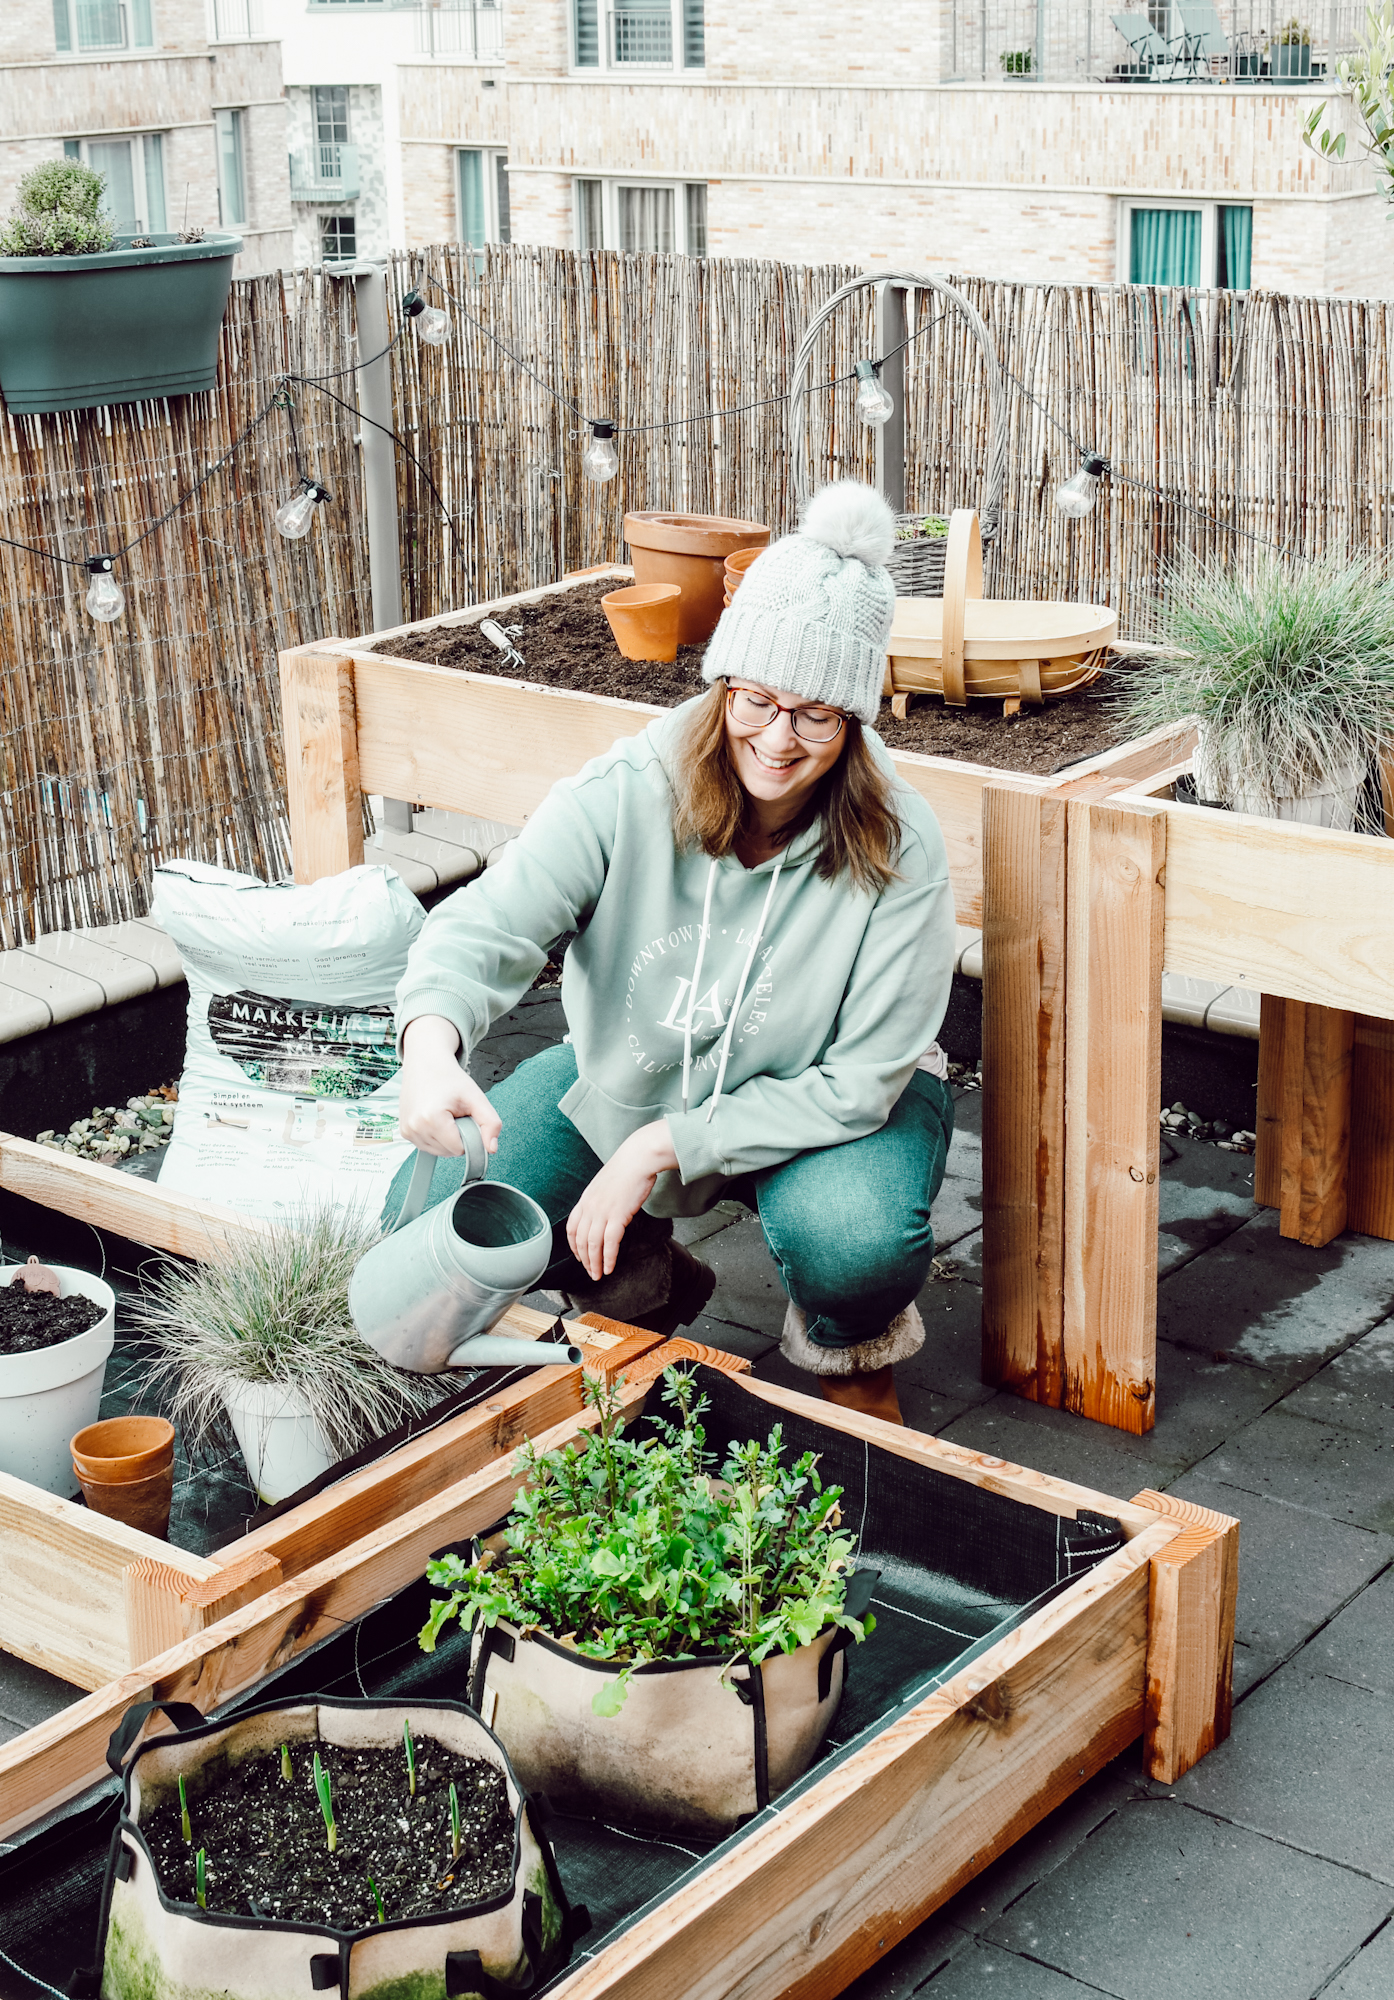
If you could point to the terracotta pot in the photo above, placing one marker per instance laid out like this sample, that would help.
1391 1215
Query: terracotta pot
736 567
123 1449
140 1503
690 550
645 620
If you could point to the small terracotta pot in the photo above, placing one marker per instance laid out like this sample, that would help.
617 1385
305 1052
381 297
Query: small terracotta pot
123 1449
690 550
736 567
644 619
140 1503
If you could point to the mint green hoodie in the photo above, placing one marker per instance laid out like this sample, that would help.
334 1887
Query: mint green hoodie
844 990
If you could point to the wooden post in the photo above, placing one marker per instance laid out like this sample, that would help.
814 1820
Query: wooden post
320 722
1317 1043
165 1607
1023 1091
1190 1637
1370 1185
1116 915
1268 1106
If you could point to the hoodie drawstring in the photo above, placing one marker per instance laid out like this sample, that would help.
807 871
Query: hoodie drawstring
696 984
740 992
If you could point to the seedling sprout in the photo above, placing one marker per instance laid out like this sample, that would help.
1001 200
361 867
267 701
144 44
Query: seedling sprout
454 1823
382 1914
184 1826
411 1760
200 1880
285 1762
326 1804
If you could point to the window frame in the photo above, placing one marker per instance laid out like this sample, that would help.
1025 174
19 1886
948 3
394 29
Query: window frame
497 225
1209 212
339 216
610 186
142 153
605 63
136 19
238 125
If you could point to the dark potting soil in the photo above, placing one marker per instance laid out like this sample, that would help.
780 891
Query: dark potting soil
565 642
31 1320
267 1855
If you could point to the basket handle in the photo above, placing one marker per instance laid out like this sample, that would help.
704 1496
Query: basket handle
963 578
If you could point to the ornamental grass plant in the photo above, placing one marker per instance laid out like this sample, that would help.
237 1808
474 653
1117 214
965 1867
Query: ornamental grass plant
1288 670
272 1307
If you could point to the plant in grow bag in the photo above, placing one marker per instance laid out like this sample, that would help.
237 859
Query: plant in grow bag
184 1826
326 1803
411 1759
285 1763
377 1899
201 1880
637 1551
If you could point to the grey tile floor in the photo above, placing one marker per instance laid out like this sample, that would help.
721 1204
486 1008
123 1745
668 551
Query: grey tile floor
1268 1872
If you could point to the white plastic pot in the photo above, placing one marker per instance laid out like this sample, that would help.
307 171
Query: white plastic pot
47 1397
1335 804
283 1445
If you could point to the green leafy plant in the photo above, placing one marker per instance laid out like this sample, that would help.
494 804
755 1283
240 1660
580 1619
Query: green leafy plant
59 213
1367 78
1288 668
635 1550
454 1824
1292 35
285 1763
410 1748
201 1879
933 527
382 1914
1017 62
273 1308
184 1826
325 1796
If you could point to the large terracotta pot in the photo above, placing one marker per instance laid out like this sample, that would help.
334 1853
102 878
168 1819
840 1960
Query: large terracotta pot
690 550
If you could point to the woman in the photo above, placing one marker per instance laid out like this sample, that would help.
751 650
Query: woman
764 947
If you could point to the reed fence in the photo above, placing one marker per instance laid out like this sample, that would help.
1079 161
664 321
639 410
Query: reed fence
1232 421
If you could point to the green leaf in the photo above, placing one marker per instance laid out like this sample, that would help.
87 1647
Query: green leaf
609 1698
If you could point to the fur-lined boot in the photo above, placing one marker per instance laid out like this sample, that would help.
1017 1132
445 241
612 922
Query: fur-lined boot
860 1377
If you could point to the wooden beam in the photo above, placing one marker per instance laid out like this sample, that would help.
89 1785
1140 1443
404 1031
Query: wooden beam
1162 755
164 1606
1370 1183
1190 1637
109 1199
1112 1150
1268 1102
1023 1091
323 787
954 791
1317 1043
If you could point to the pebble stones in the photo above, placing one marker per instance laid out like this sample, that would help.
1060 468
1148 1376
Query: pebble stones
113 1132
1190 1125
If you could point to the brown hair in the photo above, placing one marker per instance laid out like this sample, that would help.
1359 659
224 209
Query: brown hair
861 830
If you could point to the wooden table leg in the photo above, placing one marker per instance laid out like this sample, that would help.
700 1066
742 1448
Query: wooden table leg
1370 1183
321 747
1304 1117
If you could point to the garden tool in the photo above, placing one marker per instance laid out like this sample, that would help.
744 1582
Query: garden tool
427 1296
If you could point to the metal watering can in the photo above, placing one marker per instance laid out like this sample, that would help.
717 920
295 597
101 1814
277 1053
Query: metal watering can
427 1295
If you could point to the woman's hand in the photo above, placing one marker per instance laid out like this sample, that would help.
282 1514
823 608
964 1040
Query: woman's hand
435 1091
595 1227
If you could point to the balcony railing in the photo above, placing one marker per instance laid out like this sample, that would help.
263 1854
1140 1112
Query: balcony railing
457 27
642 32
327 171
1150 41
233 20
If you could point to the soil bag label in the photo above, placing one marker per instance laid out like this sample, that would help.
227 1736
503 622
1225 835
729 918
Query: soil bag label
288 1099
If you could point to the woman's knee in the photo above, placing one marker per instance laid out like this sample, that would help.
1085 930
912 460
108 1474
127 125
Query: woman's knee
863 1242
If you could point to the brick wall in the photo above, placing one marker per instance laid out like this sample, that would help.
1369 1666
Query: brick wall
789 39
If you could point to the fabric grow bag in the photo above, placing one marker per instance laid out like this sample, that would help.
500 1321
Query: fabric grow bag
151 1943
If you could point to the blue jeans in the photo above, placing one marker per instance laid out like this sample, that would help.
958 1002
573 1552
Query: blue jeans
848 1226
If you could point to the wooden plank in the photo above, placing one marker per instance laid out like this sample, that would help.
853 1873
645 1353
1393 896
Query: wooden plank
61 1604
1163 753
1112 1149
1370 1183
813 1898
164 1606
954 791
1190 1637
1023 1091
680 1349
323 787
1268 1102
109 1199
1317 1044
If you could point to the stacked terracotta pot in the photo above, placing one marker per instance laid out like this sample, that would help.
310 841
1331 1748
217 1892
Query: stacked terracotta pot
125 1467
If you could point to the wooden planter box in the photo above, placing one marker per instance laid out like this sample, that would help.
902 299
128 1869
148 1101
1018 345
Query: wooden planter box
1139 1647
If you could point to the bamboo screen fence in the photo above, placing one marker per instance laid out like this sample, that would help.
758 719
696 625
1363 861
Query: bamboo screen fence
1243 419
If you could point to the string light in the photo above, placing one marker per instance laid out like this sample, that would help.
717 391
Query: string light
1076 497
600 461
295 517
432 325
105 598
874 405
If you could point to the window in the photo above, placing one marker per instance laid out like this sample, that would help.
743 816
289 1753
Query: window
134 172
84 25
660 217
235 20
651 34
232 178
338 239
1200 244
483 196
331 110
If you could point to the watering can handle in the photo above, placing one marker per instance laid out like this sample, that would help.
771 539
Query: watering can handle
424 1164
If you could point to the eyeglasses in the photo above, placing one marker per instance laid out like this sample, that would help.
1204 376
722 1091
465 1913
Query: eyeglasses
758 711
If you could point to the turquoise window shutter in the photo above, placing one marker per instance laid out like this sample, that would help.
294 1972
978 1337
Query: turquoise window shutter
694 34
62 27
139 18
587 34
474 229
1236 248
1165 247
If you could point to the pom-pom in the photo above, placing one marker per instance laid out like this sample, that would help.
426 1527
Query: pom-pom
851 519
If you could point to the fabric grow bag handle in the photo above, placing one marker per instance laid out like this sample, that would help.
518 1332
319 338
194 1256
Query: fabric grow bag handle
424 1165
182 1714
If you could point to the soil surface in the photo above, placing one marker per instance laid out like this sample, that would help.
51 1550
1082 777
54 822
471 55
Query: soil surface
266 1852
566 642
31 1320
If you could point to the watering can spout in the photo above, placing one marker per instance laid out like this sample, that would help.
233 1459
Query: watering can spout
492 1350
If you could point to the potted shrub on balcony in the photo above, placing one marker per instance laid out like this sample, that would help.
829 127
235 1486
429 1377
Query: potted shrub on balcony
1290 52
90 317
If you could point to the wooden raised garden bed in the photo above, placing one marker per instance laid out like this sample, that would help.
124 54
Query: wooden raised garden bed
802 1901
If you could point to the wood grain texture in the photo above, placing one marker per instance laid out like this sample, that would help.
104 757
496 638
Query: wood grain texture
323 788
1023 1091
1190 1637
1162 754
164 1606
119 1202
1112 1150
1268 1101
1370 1182
1317 1045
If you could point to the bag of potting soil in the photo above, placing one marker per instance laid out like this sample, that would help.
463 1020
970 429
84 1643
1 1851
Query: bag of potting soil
288 1100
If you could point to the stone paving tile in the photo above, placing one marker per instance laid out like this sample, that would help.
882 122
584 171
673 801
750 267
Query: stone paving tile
1258 1297
1296 1570
1205 1196
950 1362
1348 1475
1168 1904
1355 1390
1355 1645
922 1409
908 1967
730 1339
748 1291
1089 1454
29 1695
987 1969
1310 1763
1370 1974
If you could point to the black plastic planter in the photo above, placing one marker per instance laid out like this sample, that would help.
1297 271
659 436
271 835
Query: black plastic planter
117 327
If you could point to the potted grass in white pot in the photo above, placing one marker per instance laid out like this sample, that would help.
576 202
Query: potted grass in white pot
88 316
258 1341
1288 671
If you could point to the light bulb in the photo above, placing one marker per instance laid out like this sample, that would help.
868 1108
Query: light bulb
432 325
600 461
295 517
874 405
1076 497
105 598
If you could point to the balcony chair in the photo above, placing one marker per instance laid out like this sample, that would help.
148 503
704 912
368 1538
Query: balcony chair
1158 60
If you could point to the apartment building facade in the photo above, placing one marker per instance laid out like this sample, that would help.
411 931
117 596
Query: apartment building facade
177 103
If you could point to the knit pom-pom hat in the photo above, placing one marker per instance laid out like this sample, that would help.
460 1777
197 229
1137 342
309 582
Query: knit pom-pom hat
813 614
